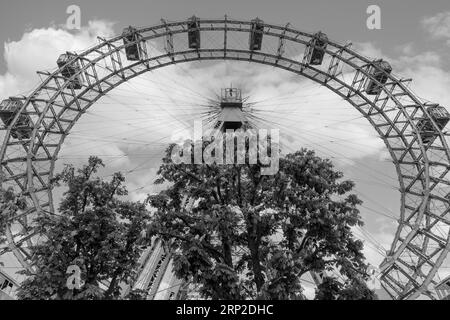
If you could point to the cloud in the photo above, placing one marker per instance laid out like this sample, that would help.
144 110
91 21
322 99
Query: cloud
438 25
427 69
39 49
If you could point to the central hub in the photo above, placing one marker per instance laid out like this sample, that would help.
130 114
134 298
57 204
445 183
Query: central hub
231 117
231 98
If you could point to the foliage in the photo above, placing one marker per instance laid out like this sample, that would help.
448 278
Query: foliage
354 289
95 230
238 234
10 204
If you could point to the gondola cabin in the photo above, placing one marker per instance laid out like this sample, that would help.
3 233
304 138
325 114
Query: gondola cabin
443 289
8 287
256 34
8 110
380 71
316 49
70 67
194 33
131 40
440 115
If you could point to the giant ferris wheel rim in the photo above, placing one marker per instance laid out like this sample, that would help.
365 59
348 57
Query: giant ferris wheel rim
415 284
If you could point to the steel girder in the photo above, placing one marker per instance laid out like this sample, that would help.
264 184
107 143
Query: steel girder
421 242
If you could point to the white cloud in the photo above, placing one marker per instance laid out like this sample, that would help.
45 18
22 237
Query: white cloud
427 69
438 25
39 49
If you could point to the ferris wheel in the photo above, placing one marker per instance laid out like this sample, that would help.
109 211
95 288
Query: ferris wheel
36 126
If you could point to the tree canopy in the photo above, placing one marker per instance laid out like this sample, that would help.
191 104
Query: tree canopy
95 230
10 203
238 234
234 232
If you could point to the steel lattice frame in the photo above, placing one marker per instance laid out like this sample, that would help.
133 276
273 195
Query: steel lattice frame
419 247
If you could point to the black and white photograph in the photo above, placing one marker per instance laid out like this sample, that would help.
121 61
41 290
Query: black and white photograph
221 156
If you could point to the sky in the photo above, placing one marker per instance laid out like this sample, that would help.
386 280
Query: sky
130 137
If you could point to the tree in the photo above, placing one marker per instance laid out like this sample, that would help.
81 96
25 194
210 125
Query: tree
95 230
10 203
238 234
352 289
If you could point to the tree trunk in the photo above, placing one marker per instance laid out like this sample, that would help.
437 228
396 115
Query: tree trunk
253 245
112 284
227 254
256 265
